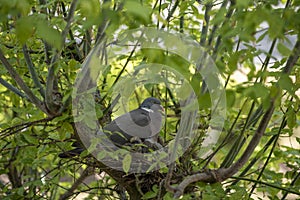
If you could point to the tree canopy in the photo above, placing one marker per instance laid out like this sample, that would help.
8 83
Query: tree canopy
227 74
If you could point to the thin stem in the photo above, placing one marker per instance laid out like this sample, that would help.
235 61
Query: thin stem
214 28
12 88
297 177
51 84
268 184
171 13
283 123
205 24
105 23
222 174
238 143
47 47
32 71
34 99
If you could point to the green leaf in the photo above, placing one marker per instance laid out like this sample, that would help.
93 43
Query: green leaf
23 6
233 61
296 2
14 8
30 139
283 49
126 163
101 155
219 16
61 118
195 82
276 24
185 90
24 28
90 121
291 118
152 193
257 90
138 10
286 83
298 139
90 10
65 131
242 3
168 196
49 34
204 101
99 112
93 146
230 98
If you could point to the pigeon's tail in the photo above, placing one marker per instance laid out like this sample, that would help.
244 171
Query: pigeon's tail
69 154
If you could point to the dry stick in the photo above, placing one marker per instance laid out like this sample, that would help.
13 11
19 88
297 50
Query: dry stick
51 78
34 99
222 174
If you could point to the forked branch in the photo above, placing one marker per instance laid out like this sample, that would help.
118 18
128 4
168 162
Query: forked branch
219 175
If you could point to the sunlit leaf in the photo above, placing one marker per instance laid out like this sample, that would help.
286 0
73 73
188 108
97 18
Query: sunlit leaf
29 138
24 28
286 83
138 10
127 162
49 34
283 49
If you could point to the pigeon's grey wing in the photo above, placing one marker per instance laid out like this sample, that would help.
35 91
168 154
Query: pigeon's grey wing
155 123
116 135
136 123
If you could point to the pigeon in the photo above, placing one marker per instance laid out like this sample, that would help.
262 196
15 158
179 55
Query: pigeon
142 124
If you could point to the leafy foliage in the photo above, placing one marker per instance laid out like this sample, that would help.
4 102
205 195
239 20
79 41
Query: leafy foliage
255 45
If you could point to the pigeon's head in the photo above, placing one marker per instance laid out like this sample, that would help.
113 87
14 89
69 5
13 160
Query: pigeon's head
152 103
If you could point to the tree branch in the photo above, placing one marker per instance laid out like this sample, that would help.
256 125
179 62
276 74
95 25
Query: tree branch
13 173
204 31
222 174
52 103
170 14
32 71
78 53
17 128
35 100
12 88
47 47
